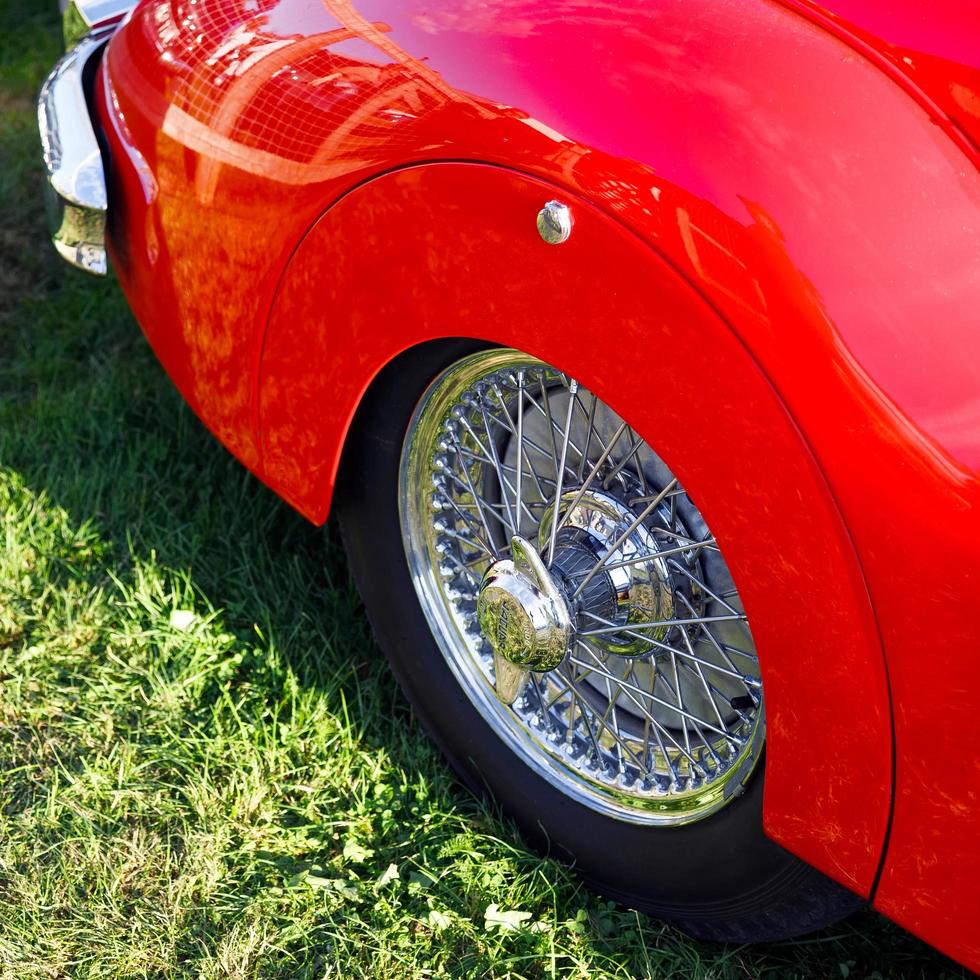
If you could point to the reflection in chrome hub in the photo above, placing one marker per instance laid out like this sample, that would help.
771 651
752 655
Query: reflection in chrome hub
523 616
577 594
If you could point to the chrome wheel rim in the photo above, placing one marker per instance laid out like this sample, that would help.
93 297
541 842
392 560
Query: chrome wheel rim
577 594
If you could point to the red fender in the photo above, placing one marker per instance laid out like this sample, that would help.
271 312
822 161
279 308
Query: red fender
452 250
813 203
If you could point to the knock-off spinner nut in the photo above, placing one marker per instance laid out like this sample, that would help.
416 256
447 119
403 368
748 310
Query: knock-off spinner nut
522 614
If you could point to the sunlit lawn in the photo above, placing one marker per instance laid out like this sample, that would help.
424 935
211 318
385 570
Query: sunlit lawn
205 768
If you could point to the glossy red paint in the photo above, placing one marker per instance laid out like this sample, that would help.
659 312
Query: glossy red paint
820 209
932 50
399 261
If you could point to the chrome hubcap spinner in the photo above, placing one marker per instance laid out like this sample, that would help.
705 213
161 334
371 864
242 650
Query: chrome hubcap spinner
522 613
606 568
523 616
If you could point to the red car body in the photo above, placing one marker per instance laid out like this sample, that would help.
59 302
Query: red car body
778 206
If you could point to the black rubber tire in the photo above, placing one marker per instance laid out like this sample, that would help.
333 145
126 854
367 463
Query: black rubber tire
720 878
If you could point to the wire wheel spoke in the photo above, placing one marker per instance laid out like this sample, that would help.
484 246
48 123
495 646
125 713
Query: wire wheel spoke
654 711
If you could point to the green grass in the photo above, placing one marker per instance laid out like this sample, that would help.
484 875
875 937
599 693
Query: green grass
205 767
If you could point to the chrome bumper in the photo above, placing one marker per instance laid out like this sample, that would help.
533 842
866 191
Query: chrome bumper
76 184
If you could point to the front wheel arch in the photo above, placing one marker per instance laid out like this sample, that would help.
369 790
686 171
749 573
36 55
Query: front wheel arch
397 264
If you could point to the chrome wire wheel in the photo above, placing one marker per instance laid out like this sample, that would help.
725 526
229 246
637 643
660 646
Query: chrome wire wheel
577 594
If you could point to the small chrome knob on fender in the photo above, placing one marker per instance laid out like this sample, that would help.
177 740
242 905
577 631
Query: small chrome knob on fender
555 222
523 616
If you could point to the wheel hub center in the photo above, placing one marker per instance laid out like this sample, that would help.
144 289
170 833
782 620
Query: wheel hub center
607 579
613 573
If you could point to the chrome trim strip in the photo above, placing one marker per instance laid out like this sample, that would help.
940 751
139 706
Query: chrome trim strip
81 17
76 177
